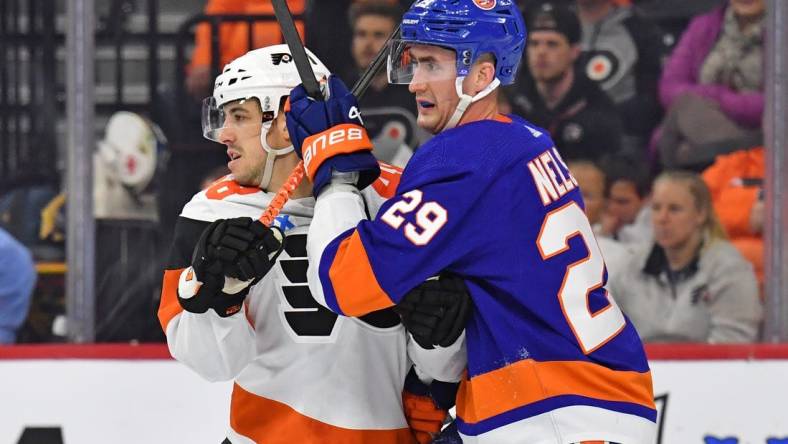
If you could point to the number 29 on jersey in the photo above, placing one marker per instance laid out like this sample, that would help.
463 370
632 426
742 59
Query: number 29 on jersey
430 217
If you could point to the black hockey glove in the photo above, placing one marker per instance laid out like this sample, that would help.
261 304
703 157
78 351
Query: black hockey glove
231 255
202 286
436 311
246 248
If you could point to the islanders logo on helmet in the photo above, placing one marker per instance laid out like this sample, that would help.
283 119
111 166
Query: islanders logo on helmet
485 4
470 28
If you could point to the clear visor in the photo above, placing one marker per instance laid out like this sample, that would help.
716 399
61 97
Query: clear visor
241 116
409 61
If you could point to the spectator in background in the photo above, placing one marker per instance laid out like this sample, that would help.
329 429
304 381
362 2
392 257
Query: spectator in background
527 5
622 53
331 42
17 279
592 182
736 184
690 284
233 38
556 96
627 217
21 203
326 38
712 86
389 111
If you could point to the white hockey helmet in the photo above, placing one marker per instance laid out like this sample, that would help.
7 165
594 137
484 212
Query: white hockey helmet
266 74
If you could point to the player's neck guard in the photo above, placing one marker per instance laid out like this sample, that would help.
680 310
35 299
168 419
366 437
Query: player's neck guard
271 155
466 100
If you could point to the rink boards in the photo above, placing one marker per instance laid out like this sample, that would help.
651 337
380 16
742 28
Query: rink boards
135 394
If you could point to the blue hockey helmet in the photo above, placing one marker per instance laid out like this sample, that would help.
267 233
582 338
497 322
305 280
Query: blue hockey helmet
470 28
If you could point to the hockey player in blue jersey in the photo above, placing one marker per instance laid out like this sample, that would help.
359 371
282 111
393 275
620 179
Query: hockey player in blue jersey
550 356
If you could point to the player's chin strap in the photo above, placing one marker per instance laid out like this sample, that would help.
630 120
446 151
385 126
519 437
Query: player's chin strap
466 100
271 156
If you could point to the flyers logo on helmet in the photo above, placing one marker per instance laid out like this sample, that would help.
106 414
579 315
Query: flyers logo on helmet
485 4
281 57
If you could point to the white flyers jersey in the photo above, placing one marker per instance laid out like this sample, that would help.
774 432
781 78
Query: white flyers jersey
302 374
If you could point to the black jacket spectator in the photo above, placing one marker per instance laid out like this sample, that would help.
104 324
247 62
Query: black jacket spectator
389 111
584 124
622 53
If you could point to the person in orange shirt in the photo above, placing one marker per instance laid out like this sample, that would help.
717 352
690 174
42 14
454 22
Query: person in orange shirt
736 184
234 37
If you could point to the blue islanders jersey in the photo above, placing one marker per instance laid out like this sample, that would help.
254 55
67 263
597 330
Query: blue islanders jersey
550 357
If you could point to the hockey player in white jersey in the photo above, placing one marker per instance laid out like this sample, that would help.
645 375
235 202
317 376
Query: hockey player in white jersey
301 373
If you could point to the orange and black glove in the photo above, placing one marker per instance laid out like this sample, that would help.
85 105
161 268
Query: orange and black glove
424 417
329 136
426 406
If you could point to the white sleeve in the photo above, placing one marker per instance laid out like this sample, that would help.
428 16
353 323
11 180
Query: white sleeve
216 348
442 363
339 208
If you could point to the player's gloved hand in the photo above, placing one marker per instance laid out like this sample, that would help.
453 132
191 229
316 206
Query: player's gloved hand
424 418
330 135
435 312
204 285
426 405
245 247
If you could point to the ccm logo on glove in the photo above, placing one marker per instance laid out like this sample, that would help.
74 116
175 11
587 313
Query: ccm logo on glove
341 139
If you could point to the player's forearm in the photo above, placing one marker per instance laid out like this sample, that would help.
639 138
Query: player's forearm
187 233
215 352
338 209
216 348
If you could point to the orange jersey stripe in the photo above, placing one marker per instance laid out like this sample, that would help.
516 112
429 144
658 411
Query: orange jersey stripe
529 381
267 421
356 288
169 306
387 183
502 118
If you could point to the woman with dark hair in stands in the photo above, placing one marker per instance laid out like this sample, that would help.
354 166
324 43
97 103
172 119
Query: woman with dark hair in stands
689 284
712 86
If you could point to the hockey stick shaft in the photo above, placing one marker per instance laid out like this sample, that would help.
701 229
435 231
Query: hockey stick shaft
293 40
361 85
307 76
